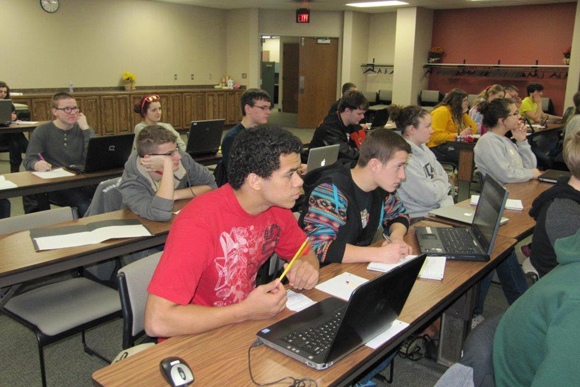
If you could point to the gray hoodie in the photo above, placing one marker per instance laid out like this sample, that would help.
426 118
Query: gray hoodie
502 159
426 186
138 189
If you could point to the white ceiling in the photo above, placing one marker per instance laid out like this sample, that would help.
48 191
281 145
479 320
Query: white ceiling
339 5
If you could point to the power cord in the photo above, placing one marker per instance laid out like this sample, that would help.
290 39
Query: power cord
304 382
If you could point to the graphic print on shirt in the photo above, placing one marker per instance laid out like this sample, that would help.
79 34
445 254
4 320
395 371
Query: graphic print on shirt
245 250
429 170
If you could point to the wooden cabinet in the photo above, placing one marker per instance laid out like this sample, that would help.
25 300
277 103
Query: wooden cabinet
40 109
215 105
234 112
91 108
193 108
115 117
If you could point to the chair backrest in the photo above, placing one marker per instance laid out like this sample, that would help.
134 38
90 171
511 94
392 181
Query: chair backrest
429 97
37 219
371 96
107 198
548 105
133 280
385 96
471 99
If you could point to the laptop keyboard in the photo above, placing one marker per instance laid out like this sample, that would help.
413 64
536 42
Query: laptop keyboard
316 340
456 240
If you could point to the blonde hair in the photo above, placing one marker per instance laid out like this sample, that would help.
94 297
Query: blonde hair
485 93
571 150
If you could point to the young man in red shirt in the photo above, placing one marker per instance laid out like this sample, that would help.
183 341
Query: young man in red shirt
207 274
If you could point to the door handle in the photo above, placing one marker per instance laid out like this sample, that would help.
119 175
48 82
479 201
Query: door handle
301 85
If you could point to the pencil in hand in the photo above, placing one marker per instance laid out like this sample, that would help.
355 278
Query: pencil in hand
298 253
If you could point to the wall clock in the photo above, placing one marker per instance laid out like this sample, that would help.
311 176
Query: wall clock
50 6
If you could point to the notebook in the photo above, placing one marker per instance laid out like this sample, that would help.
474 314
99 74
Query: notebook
371 309
380 119
105 153
552 175
458 214
324 155
470 244
204 137
5 112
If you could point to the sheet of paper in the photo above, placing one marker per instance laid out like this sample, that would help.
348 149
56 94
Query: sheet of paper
6 184
386 267
53 173
20 122
511 204
90 238
433 268
297 301
396 327
342 285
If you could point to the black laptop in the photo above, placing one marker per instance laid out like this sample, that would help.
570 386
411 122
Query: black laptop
552 175
5 112
380 119
204 137
106 152
468 244
327 331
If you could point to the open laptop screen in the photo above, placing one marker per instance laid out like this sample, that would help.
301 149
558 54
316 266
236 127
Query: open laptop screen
489 211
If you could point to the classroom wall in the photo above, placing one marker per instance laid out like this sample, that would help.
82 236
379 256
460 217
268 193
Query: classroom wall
243 48
283 23
382 31
514 35
355 48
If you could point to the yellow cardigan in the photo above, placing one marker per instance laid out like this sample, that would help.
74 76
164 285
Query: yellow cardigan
444 129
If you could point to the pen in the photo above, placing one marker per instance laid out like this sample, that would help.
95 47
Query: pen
40 156
351 285
387 238
298 253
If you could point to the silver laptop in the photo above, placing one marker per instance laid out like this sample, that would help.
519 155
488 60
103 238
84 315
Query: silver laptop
322 156
5 112
468 244
458 214
327 331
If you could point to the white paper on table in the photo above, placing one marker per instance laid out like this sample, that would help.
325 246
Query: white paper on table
6 184
510 204
20 122
90 238
396 327
433 268
386 267
53 173
342 285
297 301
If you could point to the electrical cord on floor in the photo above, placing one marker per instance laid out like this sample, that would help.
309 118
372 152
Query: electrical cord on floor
304 382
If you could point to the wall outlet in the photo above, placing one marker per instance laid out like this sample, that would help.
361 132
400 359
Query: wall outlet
244 75
192 77
210 76
175 77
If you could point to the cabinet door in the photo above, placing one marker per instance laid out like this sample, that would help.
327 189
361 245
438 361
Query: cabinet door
122 112
41 109
90 106
233 110
193 108
215 105
108 115
136 117
176 110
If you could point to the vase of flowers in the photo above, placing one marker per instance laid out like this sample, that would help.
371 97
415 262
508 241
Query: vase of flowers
566 59
129 81
435 54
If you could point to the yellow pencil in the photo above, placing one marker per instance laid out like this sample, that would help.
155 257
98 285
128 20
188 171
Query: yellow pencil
298 253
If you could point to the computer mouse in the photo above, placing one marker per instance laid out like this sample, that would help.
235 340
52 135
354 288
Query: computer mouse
176 372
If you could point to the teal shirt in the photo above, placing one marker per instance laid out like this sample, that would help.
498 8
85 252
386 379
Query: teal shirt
538 340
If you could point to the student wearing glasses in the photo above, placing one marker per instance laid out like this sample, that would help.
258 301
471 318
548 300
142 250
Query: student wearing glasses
497 155
150 111
17 143
160 173
61 143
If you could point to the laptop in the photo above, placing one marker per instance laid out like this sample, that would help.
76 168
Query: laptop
344 326
324 155
552 175
204 137
105 153
458 214
5 112
468 244
380 119
567 115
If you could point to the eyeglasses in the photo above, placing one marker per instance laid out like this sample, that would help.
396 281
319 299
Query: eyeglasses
69 109
170 153
264 108
149 99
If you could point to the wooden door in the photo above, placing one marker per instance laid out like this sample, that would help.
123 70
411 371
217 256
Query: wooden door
317 80
41 109
124 122
290 63
176 110
215 105
91 106
234 109
136 117
193 108
108 115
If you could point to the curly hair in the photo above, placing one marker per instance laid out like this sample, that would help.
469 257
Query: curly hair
494 110
151 137
258 151
406 116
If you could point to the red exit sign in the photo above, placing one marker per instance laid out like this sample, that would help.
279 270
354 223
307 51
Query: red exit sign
303 15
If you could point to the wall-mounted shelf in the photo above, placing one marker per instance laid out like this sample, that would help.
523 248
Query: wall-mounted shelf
497 70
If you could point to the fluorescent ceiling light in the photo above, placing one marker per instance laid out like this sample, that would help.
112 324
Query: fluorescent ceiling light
377 4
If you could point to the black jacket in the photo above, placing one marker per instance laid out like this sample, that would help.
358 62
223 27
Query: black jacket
332 131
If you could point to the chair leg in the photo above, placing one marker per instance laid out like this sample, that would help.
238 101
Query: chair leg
91 351
383 378
41 358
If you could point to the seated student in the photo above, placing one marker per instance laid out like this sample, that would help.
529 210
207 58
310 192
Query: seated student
450 119
346 204
206 277
17 143
497 155
256 108
557 210
426 186
159 173
342 127
537 340
349 86
59 143
513 92
150 111
574 122
487 95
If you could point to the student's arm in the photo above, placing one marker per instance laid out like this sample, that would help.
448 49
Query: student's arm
535 115
490 157
396 221
469 124
304 272
35 147
88 132
440 120
199 178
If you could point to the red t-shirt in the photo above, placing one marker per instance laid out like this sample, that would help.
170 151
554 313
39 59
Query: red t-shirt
215 248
